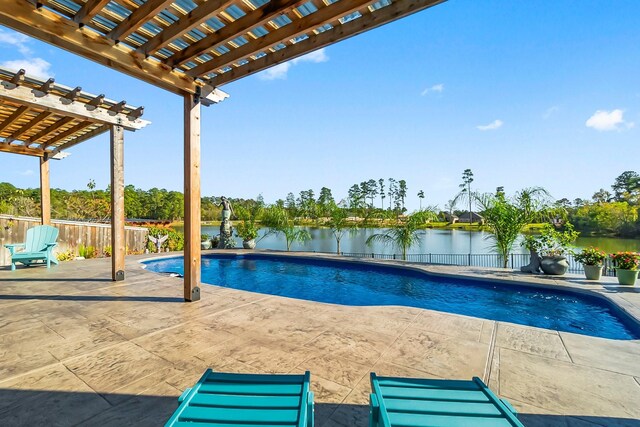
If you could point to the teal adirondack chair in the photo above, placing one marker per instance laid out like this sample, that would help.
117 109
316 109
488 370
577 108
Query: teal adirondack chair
419 402
37 247
246 400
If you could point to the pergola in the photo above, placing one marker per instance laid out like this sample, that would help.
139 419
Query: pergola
192 47
42 118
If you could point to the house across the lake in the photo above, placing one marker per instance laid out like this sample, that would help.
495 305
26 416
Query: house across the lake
472 217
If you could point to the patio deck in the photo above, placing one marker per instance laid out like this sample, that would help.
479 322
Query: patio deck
79 349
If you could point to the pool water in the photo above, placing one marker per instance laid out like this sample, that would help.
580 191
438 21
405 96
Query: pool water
360 284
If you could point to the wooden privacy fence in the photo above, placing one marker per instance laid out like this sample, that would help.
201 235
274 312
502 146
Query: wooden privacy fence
72 234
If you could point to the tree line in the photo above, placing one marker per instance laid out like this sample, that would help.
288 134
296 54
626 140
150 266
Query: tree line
612 212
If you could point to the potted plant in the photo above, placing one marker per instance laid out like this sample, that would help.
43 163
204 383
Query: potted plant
552 245
626 264
205 242
248 232
592 260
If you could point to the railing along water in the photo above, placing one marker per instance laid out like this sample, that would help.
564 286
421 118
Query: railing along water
515 261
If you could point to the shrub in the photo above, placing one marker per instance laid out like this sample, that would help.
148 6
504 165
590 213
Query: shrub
175 242
590 256
626 260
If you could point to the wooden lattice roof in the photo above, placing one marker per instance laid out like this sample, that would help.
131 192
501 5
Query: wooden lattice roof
41 117
189 45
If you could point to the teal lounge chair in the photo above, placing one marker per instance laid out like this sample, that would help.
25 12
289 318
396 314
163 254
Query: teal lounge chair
414 402
38 247
246 400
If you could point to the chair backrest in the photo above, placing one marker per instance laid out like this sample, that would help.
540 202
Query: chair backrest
38 238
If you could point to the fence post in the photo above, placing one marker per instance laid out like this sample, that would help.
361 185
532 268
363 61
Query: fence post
394 256
469 260
429 258
373 255
512 264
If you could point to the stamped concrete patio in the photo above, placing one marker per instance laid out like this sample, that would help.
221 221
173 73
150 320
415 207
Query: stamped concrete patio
78 349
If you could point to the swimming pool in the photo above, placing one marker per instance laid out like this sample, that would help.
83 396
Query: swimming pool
363 284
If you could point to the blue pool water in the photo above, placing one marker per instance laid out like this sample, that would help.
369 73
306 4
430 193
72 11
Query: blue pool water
362 284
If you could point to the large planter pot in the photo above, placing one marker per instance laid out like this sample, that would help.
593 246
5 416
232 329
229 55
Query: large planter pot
593 272
627 277
554 265
249 244
205 244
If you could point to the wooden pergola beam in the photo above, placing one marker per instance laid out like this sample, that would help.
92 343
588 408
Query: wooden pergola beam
59 31
48 130
29 125
78 140
67 133
88 10
296 28
239 27
21 149
139 17
53 103
13 117
117 203
45 191
185 24
192 254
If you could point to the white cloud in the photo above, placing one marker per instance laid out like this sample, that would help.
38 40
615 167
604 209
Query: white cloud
16 40
279 72
550 111
27 172
603 120
439 88
35 67
496 124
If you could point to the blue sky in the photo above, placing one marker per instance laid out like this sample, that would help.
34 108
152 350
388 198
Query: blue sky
523 93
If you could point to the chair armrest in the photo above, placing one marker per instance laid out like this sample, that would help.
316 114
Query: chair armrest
374 410
12 247
50 245
508 405
184 395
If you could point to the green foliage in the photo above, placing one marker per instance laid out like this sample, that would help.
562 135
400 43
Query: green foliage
87 252
278 221
175 242
66 255
339 224
551 242
404 234
614 218
507 217
626 260
247 230
590 256
204 237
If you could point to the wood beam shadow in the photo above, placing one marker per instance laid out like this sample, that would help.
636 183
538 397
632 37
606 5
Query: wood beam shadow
91 298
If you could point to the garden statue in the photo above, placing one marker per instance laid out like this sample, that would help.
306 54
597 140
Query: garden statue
226 227
158 241
534 264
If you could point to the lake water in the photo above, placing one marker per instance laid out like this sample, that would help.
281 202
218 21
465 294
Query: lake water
435 241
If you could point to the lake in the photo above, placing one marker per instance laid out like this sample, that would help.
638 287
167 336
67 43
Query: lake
435 241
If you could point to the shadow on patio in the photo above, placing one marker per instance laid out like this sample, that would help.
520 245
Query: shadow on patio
63 408
90 298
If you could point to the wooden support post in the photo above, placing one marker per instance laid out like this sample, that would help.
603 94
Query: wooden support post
117 203
45 192
191 197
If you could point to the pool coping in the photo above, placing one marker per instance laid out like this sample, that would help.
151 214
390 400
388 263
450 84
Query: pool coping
606 289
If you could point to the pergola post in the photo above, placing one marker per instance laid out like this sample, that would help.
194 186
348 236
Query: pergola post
117 203
192 197
45 191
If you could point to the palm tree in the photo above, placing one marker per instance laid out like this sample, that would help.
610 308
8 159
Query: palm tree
507 217
404 234
277 219
339 224
421 196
